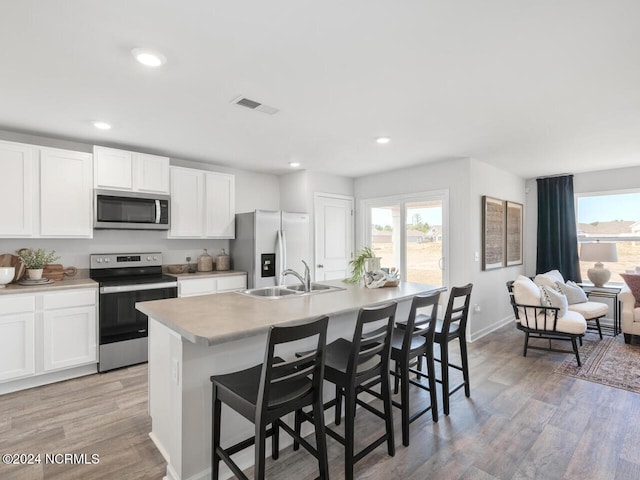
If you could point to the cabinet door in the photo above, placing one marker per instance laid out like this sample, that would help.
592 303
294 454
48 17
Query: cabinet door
196 286
69 336
66 196
220 207
151 173
18 189
186 203
17 337
113 169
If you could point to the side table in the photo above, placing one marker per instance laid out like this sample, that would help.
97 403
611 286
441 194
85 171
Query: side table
609 291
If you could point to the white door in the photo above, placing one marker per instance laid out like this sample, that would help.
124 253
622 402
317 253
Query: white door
186 203
220 209
112 168
334 224
18 189
151 173
69 337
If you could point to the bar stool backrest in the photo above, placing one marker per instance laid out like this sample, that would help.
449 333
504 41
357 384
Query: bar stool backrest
422 325
295 382
370 350
457 310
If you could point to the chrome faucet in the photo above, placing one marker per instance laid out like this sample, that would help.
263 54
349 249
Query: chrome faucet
305 281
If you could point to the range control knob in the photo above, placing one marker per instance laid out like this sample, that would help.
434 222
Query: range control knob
107 260
155 259
98 260
148 259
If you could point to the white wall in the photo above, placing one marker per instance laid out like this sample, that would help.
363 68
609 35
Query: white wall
466 180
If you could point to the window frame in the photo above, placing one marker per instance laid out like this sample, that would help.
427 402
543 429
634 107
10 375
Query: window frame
603 238
402 200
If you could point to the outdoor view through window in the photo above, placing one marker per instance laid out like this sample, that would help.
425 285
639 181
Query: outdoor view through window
419 250
612 217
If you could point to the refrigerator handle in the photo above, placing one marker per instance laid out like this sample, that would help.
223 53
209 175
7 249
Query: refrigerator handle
279 263
283 256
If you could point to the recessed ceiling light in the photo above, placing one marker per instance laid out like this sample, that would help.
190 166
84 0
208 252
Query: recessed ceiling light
294 164
102 125
383 140
148 57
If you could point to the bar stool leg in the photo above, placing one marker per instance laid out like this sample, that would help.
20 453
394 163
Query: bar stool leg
404 400
465 365
444 366
275 441
338 405
349 432
385 389
321 440
259 465
433 393
215 440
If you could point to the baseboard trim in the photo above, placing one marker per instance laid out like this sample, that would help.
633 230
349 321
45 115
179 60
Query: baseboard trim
491 328
46 378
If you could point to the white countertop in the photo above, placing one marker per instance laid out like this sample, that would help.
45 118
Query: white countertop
218 318
67 283
214 273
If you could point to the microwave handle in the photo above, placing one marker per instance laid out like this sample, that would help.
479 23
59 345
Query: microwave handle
158 210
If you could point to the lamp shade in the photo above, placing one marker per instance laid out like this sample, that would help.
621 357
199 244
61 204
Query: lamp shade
598 252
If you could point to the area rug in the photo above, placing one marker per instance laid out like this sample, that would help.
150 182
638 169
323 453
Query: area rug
609 361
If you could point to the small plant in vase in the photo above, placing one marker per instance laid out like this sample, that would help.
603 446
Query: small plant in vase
365 260
35 260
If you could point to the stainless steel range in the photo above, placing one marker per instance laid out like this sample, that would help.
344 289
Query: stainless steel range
124 279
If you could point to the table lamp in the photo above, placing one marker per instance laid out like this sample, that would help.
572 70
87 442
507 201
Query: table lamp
598 252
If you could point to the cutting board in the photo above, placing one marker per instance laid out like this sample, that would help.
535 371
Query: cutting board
8 260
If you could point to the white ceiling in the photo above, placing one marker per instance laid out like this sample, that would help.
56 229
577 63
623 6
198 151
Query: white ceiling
534 87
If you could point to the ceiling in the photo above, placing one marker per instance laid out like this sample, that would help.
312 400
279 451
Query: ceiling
533 87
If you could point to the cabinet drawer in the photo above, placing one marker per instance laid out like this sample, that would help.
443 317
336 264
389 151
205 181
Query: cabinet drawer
17 304
196 286
72 298
237 282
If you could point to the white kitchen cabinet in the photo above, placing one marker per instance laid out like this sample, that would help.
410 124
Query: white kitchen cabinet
191 287
47 337
116 169
202 204
17 336
220 205
69 329
46 192
66 196
19 189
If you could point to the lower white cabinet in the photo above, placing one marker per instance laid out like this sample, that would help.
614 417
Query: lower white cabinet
17 336
45 334
191 287
69 325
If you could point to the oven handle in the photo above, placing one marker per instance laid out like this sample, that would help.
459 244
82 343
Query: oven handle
137 288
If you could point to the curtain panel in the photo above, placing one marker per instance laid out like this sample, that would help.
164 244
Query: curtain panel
557 232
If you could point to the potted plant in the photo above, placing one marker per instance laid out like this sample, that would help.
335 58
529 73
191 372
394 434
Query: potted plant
35 260
364 261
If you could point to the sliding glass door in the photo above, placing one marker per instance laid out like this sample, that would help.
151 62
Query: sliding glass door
409 233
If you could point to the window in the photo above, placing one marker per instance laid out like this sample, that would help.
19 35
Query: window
611 217
409 234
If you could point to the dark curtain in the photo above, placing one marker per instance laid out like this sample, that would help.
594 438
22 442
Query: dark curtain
557 233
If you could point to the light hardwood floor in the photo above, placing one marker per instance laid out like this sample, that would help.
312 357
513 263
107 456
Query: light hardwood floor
522 421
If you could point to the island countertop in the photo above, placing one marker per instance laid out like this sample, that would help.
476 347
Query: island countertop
223 317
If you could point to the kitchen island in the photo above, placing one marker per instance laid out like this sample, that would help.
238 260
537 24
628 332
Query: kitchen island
192 338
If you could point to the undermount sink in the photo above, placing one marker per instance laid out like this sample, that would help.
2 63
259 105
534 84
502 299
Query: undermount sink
289 291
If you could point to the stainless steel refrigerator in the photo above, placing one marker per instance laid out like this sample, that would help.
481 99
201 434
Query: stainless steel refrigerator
269 242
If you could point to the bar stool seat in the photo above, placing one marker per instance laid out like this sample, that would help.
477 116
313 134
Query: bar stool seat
265 393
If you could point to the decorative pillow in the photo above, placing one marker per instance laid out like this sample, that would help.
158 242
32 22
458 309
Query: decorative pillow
572 291
549 279
525 292
633 282
552 298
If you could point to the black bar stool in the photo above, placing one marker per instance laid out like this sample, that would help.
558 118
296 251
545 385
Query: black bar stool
454 326
410 341
354 366
265 393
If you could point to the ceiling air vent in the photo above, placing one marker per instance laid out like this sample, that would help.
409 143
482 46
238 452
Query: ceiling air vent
253 105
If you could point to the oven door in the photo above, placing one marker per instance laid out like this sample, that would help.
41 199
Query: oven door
119 319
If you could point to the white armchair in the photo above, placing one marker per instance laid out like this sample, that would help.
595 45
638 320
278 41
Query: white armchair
630 317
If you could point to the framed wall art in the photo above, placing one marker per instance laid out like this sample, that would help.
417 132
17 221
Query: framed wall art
514 234
493 233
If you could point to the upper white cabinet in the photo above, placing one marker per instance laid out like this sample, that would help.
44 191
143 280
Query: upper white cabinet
19 186
46 192
122 170
202 204
66 196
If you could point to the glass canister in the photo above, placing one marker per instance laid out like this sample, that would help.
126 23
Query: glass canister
223 261
205 262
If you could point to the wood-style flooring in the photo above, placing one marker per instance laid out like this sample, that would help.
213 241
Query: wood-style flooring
522 421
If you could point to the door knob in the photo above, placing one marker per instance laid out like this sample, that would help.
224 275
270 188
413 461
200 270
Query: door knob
320 265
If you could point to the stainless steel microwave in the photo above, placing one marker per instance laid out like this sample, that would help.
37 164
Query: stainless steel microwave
131 211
